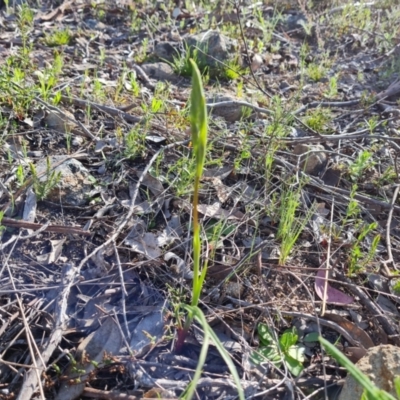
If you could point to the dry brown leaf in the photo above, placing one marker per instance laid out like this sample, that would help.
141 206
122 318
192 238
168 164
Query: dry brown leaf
358 334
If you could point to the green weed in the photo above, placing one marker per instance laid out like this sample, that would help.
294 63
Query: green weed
332 90
290 226
61 37
362 163
358 260
135 143
43 186
316 71
318 119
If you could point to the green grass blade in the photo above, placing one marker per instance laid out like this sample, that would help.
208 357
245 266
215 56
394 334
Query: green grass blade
209 333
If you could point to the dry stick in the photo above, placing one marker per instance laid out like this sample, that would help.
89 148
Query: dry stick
29 386
44 227
387 324
123 289
363 134
86 131
105 394
335 190
115 112
327 104
328 256
239 103
320 185
390 259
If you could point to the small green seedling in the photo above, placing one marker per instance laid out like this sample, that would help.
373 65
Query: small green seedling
58 38
286 350
360 165
43 187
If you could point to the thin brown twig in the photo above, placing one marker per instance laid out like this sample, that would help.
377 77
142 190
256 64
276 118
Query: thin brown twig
14 223
390 259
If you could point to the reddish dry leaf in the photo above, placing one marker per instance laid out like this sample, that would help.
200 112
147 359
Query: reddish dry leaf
358 334
332 295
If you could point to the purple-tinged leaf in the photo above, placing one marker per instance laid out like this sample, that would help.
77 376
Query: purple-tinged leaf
332 295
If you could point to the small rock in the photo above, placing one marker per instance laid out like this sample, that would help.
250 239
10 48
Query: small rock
60 121
231 112
314 159
256 63
295 21
382 365
215 46
160 71
74 184
166 51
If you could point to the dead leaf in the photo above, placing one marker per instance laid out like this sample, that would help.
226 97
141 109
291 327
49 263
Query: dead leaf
143 242
223 191
147 332
355 353
152 183
356 333
215 211
180 268
332 295
220 172
54 254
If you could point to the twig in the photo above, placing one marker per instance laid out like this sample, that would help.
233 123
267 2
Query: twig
239 103
328 256
106 394
86 131
123 290
327 104
14 223
390 259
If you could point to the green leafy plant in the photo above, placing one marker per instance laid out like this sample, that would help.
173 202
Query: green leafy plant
371 392
198 114
284 350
